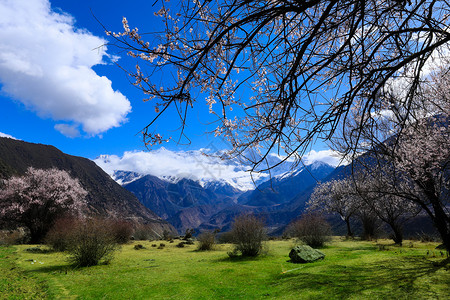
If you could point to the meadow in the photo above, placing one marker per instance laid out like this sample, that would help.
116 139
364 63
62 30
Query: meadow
352 269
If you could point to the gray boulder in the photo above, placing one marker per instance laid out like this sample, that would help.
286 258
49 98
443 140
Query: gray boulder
305 254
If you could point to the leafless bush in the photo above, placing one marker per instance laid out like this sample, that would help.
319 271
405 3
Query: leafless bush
312 230
10 237
121 230
427 237
225 238
91 242
207 240
248 234
15 236
59 236
142 232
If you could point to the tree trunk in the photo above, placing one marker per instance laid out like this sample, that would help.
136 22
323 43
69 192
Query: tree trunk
369 227
397 233
440 218
349 229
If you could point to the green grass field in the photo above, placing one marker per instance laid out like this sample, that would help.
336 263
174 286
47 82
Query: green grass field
351 270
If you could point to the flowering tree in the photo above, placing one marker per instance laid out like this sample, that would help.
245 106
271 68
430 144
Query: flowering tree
411 164
379 196
280 74
424 155
336 196
369 196
39 197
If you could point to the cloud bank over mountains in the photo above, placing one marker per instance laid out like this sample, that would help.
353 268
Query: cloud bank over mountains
46 64
164 163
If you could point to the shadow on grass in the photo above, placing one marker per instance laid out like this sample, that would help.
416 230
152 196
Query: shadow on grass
238 258
52 269
62 268
389 278
40 250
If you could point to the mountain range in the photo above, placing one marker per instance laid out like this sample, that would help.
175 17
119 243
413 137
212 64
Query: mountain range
186 203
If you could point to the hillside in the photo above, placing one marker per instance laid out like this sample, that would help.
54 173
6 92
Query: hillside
105 198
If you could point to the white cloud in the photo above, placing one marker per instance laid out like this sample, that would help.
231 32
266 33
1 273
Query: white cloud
68 130
181 164
7 136
330 157
46 63
327 156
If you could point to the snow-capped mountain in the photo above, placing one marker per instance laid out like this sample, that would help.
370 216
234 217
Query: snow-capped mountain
283 187
125 177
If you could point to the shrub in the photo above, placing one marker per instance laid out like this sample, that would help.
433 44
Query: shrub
58 237
181 244
312 230
189 233
38 250
138 247
91 242
121 230
206 240
141 232
167 235
13 237
225 238
426 237
248 234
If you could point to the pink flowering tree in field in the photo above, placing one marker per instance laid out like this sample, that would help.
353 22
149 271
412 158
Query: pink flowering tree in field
278 75
39 197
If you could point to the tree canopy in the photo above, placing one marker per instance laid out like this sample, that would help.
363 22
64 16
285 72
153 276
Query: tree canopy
279 75
39 197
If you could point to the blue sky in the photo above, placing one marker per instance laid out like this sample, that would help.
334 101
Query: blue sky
29 120
59 86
